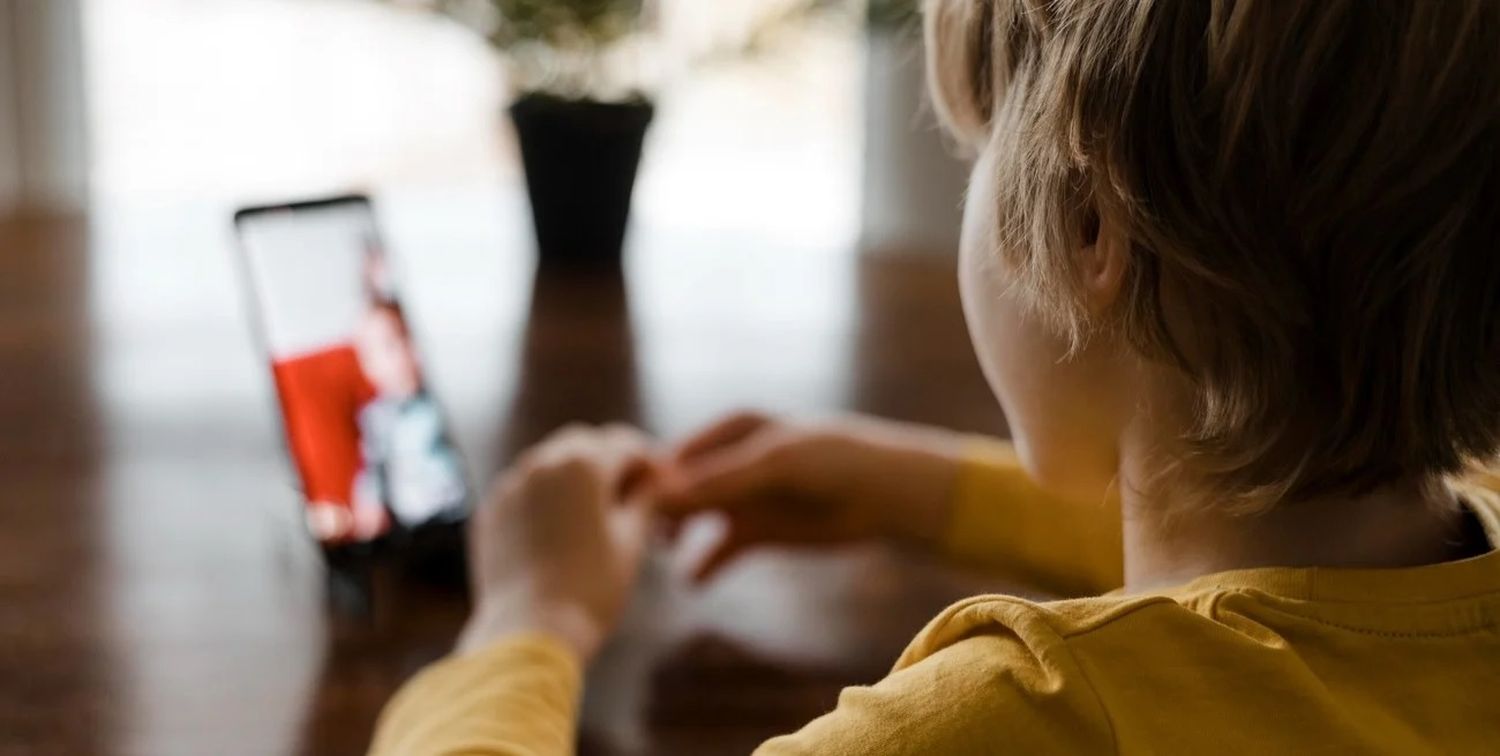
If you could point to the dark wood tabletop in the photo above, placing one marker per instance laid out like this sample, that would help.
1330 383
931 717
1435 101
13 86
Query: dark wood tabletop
158 594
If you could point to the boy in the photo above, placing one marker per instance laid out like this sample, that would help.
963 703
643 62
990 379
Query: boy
1230 266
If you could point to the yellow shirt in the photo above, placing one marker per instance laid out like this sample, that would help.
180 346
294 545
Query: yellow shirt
1400 661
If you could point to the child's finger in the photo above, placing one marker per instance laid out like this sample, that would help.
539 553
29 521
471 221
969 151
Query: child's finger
731 430
723 552
642 473
612 451
671 527
631 527
745 531
722 482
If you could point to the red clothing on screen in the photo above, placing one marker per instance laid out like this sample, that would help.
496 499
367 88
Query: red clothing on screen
321 394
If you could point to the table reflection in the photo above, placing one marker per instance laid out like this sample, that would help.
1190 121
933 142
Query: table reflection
576 360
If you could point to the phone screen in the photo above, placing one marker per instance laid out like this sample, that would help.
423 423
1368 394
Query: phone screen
369 441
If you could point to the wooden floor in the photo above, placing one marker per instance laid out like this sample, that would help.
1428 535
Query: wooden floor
157 595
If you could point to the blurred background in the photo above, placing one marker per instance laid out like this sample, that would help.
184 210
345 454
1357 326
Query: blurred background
788 248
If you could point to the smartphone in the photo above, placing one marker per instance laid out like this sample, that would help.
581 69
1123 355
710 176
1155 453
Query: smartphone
369 441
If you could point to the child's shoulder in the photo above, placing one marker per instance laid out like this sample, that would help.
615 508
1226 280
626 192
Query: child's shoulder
1125 633
1041 623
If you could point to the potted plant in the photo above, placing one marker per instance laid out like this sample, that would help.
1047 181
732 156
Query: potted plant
581 113
888 14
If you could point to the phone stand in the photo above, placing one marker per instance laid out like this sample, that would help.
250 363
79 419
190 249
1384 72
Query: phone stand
350 583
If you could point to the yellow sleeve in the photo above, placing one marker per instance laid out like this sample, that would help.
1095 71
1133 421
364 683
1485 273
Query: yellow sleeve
516 698
961 688
1005 523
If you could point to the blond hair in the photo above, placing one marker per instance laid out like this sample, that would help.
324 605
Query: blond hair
1312 183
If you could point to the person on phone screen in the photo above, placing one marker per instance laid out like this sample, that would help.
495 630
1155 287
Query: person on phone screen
409 464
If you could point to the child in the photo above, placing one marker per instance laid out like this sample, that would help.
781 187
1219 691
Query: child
1231 267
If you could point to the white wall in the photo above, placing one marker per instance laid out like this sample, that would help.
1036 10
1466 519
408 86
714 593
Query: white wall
913 181
43 134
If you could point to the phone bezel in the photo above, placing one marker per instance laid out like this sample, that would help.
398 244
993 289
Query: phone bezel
439 530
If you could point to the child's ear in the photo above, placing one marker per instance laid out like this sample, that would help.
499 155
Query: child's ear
1102 262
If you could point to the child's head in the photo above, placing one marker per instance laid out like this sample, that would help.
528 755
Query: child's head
384 349
1266 229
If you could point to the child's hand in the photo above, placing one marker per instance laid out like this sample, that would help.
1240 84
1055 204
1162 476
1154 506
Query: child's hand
831 483
557 547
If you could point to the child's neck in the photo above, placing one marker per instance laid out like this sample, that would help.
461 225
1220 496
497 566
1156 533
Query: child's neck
1407 524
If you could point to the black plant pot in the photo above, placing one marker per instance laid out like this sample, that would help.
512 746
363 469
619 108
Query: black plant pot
581 159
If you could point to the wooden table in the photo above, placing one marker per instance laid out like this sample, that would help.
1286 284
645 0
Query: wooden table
157 594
